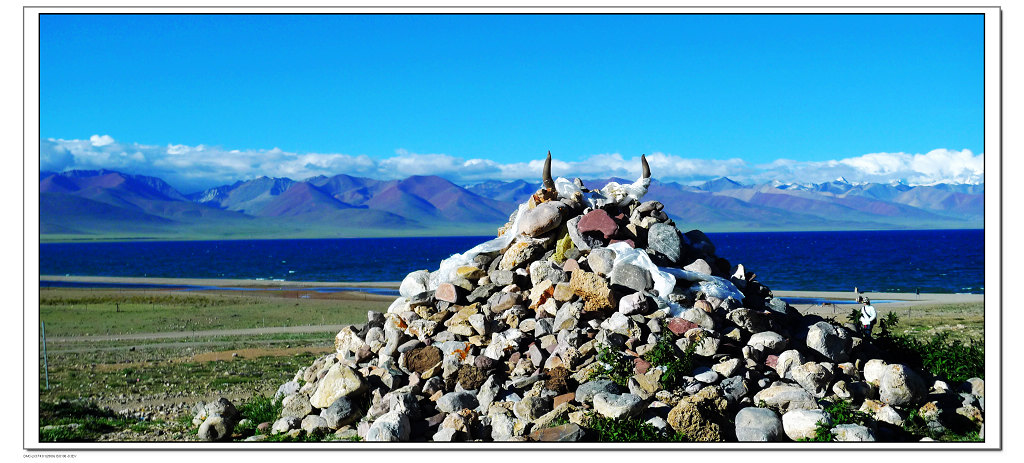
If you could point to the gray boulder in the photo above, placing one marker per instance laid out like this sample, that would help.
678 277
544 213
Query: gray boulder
314 425
215 428
618 406
813 377
340 413
831 342
755 424
853 433
283 425
601 261
632 277
296 406
663 241
901 386
455 401
786 397
585 392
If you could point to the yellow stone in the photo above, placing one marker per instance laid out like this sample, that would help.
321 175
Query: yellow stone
470 272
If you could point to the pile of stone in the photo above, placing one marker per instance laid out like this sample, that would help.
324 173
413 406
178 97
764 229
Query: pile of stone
505 346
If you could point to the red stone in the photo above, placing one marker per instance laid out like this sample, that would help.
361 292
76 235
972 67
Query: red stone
561 399
640 366
627 241
446 292
598 221
680 326
772 360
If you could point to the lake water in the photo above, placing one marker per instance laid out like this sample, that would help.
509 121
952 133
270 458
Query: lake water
937 261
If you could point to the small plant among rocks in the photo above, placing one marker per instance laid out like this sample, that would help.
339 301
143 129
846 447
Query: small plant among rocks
664 355
256 410
842 412
615 366
627 430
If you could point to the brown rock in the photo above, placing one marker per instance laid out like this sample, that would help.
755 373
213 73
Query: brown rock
423 358
594 290
558 379
640 365
564 398
700 416
471 377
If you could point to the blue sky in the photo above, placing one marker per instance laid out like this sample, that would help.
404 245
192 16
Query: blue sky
481 96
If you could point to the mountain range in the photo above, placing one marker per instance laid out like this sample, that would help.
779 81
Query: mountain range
106 204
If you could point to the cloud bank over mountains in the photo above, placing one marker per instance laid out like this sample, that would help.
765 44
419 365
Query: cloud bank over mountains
192 168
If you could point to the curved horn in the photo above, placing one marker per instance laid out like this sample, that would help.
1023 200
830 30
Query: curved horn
647 168
548 183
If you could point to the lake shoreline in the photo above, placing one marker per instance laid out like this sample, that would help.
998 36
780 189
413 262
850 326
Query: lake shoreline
885 299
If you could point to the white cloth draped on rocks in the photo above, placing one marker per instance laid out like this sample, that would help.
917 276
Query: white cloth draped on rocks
664 277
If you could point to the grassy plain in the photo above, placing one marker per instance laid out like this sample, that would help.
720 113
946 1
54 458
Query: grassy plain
155 353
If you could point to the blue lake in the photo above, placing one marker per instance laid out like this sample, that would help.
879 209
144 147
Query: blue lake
939 261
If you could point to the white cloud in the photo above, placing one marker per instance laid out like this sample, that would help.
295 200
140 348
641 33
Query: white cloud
103 140
191 168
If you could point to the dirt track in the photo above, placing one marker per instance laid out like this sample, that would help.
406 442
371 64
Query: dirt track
202 334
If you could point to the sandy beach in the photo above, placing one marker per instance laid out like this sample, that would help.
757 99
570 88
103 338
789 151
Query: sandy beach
880 299
240 283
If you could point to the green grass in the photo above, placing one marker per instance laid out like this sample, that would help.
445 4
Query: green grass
80 421
627 430
72 382
664 355
258 409
615 366
952 359
81 312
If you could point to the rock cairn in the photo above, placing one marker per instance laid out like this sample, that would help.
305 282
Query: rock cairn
504 345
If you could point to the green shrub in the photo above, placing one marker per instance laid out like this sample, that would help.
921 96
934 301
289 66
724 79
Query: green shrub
953 360
615 366
664 355
916 426
854 317
842 412
630 430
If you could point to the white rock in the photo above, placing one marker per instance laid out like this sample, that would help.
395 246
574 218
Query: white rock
873 370
772 341
802 424
393 426
787 360
901 386
340 381
853 433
